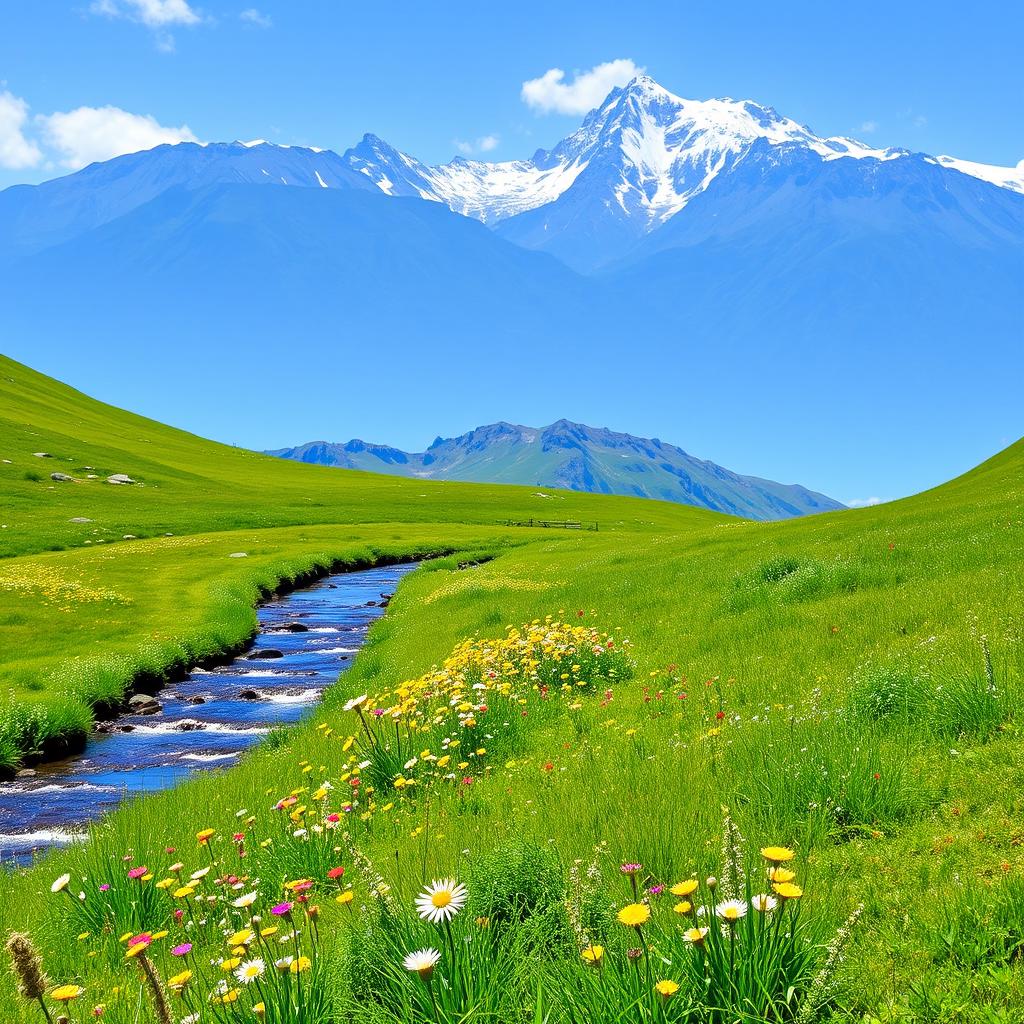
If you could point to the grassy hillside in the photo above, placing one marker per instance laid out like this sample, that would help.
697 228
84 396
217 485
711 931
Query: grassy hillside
824 679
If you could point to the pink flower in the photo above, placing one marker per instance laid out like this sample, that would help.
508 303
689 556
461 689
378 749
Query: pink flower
138 872
182 950
282 909
144 939
104 887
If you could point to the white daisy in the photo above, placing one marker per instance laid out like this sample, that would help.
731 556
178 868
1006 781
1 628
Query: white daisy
245 901
422 962
441 901
60 884
250 970
355 702
764 902
731 911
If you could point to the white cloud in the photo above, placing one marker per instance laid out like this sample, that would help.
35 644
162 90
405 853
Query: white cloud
154 13
551 94
868 127
865 502
251 16
88 134
482 145
15 149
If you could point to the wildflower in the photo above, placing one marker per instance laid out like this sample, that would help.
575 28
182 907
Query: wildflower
764 902
65 993
441 901
633 915
777 854
731 911
777 874
250 971
346 897
300 964
683 907
593 955
242 937
422 962
284 963
245 901
695 936
685 888
355 703
61 883
666 989
205 836
282 909
335 873
135 949
179 981
712 883
138 872
787 890
183 950
260 1010
25 961
630 869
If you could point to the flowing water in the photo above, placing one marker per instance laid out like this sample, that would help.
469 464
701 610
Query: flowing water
207 719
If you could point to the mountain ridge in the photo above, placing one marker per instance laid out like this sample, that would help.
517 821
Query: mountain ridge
570 455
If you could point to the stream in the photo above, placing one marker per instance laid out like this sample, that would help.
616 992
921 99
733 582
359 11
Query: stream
305 639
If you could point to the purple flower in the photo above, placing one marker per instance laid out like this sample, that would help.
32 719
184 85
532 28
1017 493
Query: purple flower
182 950
282 909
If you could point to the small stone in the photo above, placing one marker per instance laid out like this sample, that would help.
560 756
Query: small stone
143 704
42 455
120 478
80 519
197 700
267 652
26 773
238 554
62 478
249 694
129 536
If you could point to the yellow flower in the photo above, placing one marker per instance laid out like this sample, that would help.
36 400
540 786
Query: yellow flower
346 897
300 964
228 997
777 854
593 955
666 989
634 914
684 888
135 950
788 891
683 907
260 1010
65 993
205 835
179 981
184 892
781 874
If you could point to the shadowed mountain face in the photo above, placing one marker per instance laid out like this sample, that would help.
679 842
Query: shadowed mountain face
579 458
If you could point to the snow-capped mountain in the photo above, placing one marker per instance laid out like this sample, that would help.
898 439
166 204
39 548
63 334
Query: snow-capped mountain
633 165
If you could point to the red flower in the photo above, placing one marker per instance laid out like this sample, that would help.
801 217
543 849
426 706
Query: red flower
335 873
719 715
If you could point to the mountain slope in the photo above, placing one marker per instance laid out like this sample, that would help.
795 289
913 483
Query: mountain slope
33 217
580 458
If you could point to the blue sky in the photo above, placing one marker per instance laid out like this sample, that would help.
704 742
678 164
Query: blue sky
82 80
431 79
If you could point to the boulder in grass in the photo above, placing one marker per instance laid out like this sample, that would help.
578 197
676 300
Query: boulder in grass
120 478
62 478
42 455
80 519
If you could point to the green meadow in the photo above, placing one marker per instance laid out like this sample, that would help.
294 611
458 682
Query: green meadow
843 687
